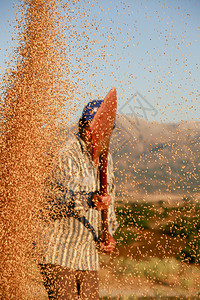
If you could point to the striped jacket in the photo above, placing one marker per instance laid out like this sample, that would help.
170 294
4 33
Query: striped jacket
71 237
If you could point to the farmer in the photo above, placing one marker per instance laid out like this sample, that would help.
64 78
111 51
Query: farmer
70 267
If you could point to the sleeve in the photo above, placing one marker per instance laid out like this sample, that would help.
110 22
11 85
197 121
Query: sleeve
68 198
112 221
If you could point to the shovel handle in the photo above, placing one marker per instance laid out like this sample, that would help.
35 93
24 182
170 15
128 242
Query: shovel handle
104 216
103 191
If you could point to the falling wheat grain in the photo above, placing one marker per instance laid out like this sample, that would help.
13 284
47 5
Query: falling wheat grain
34 92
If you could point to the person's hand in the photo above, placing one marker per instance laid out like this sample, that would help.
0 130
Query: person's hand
107 244
101 202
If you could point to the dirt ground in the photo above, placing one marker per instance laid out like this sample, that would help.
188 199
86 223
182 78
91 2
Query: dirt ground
151 243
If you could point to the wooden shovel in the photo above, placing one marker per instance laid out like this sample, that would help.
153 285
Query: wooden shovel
101 129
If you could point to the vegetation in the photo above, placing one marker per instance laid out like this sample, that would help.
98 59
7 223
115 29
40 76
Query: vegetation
135 214
188 228
167 276
168 271
161 270
178 221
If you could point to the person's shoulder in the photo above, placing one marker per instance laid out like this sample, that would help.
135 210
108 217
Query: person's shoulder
72 140
71 145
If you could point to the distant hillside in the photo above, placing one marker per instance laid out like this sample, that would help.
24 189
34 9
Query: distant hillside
153 157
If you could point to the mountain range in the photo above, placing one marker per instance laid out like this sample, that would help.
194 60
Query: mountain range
152 158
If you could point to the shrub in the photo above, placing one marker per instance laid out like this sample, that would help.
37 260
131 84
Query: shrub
187 227
136 214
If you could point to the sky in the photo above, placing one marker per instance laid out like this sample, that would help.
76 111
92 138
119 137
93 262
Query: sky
148 50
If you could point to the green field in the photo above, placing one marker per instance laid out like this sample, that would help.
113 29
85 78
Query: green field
157 255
